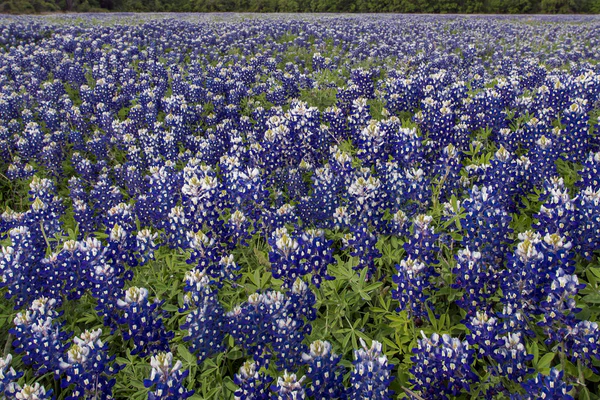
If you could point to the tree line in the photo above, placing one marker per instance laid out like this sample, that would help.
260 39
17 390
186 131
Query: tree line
353 6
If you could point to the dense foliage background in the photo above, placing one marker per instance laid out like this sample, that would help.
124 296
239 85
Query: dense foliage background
361 6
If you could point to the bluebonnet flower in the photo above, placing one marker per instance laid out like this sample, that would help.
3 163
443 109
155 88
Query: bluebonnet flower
146 245
588 221
559 307
30 143
371 376
338 125
205 250
402 94
122 245
581 342
318 61
176 226
504 176
38 336
359 117
68 271
88 367
364 79
319 207
143 320
361 242
206 321
201 196
551 387
105 280
84 216
447 168
253 384
19 169
316 254
422 244
372 143
557 213
166 379
365 198
274 324
33 392
46 207
558 254
280 216
543 157
412 280
163 192
106 195
398 225
528 272
8 375
486 224
346 98
341 164
512 358
442 366
247 190
324 371
296 187
589 172
575 119
476 277
238 229
484 330
284 255
288 387
22 272
288 333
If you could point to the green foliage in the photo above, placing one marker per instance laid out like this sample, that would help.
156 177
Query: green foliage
362 6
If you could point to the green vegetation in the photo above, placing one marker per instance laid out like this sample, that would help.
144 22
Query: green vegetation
357 6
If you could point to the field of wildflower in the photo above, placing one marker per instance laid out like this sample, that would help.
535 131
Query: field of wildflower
299 207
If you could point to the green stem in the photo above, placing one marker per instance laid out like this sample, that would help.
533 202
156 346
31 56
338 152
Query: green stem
45 237
8 344
580 377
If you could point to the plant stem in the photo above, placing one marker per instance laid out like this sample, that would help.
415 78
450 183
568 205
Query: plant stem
8 344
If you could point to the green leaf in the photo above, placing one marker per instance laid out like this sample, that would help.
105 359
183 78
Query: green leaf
584 394
545 361
372 286
535 350
595 271
593 298
432 319
186 355
235 355
138 385
170 308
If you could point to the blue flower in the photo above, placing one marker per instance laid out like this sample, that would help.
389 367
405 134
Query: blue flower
512 358
33 392
38 336
551 387
371 375
89 367
166 379
206 322
252 383
442 366
8 375
288 387
144 322
324 371
412 280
